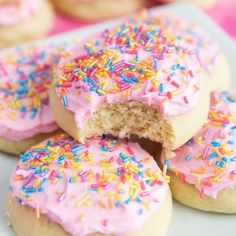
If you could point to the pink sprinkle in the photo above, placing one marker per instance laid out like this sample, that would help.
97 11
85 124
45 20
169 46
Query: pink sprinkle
207 183
205 153
144 194
52 174
182 177
185 100
63 195
104 222
175 84
142 185
202 193
129 150
191 73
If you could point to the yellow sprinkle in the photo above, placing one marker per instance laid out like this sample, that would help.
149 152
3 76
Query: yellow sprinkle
85 199
37 212
198 179
102 204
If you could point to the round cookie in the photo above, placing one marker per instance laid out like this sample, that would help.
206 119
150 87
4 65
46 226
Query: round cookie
132 66
107 186
193 37
92 10
203 171
24 20
25 117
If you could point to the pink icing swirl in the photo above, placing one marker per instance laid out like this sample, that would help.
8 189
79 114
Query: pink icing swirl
26 74
107 185
208 160
134 61
15 12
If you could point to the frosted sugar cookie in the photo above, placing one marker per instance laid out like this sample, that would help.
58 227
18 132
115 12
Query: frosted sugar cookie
108 186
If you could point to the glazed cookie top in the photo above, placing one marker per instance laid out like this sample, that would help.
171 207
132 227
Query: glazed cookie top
191 36
208 160
13 12
26 74
107 185
133 61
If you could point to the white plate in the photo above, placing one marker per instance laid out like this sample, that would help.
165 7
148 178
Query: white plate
185 221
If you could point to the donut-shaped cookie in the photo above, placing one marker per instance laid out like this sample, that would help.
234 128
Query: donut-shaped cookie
24 20
93 10
25 117
203 171
130 80
193 37
107 186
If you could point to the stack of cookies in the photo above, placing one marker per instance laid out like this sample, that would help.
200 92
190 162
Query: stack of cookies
155 77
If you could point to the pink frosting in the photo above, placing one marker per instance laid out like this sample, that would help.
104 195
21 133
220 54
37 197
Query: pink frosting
208 160
108 185
134 61
191 36
26 74
15 12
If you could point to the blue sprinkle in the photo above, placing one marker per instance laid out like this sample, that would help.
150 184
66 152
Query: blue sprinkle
76 70
222 164
232 132
233 159
167 164
59 175
38 172
135 159
224 159
155 64
141 174
30 190
230 142
212 155
188 157
138 200
140 166
127 201
215 144
109 62
42 185
161 87
104 148
24 157
61 159
76 159
33 167
20 200
123 157
64 100
118 204
217 163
